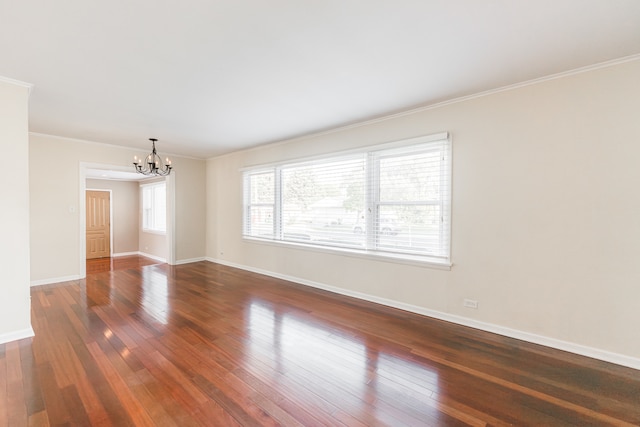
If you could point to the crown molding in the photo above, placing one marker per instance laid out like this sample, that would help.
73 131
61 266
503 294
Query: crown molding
104 144
29 86
441 104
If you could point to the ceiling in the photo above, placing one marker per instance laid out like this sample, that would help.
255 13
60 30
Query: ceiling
208 77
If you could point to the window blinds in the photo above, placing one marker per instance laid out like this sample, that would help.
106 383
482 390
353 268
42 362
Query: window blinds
386 201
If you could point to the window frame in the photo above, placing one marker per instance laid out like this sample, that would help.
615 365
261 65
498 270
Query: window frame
144 187
373 154
247 204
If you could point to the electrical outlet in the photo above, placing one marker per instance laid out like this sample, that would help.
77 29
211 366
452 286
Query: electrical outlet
470 303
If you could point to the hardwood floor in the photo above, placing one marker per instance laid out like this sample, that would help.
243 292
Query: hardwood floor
100 265
204 344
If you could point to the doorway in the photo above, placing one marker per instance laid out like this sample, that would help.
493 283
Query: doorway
87 171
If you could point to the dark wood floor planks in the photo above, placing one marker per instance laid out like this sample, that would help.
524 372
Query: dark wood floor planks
139 343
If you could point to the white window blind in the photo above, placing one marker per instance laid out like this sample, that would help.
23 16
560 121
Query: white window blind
391 201
259 211
410 196
323 201
154 207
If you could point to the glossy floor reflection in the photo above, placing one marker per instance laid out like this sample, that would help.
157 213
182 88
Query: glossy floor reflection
204 344
296 345
100 265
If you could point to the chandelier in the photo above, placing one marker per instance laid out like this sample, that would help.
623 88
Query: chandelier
152 164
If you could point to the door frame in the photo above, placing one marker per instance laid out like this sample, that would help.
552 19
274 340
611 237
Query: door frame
171 213
110 218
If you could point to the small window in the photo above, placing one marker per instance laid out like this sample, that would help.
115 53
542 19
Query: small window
154 207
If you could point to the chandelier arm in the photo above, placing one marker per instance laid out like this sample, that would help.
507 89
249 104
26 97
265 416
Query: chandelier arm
153 164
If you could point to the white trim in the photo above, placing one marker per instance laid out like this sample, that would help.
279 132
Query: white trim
51 280
157 258
170 182
15 82
150 186
400 258
595 353
427 107
82 219
388 145
121 254
54 280
156 232
17 335
104 144
190 260
514 86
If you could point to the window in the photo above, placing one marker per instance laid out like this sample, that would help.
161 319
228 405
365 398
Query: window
260 205
154 207
391 200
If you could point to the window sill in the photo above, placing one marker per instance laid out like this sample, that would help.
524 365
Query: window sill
159 233
415 260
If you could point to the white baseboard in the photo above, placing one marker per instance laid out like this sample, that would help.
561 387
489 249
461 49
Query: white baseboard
77 277
121 254
595 353
157 258
54 280
180 262
190 260
16 335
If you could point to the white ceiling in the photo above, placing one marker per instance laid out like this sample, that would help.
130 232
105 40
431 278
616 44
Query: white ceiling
207 77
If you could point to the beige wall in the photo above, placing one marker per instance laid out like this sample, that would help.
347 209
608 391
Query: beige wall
125 210
15 308
546 214
154 245
55 197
